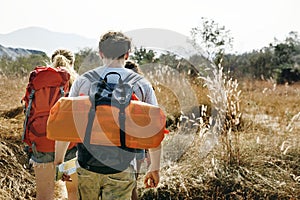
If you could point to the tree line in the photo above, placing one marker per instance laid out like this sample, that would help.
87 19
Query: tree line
279 61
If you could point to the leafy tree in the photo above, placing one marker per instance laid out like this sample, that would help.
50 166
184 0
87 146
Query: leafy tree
280 60
285 59
168 59
294 39
143 56
86 59
231 65
213 38
283 53
261 62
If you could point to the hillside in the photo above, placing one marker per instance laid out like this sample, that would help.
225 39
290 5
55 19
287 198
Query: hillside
13 53
47 41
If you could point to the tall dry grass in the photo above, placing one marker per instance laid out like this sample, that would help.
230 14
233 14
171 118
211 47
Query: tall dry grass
12 90
225 119
254 155
248 149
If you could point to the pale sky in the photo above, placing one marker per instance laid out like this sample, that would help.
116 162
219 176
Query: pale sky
253 23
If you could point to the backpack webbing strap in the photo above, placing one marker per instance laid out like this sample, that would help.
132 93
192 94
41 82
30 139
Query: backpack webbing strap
122 118
62 92
143 97
122 125
88 130
33 147
92 76
28 112
132 78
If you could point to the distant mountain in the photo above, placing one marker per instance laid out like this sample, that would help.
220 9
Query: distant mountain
17 52
45 40
48 41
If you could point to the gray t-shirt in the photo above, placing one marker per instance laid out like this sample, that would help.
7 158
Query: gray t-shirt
144 91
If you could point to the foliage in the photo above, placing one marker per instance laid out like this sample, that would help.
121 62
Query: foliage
284 54
213 38
86 59
22 65
143 56
279 61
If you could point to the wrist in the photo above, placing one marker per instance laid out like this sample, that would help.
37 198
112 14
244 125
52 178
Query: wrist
57 162
153 170
154 166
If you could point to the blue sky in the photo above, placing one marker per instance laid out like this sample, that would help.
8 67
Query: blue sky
253 24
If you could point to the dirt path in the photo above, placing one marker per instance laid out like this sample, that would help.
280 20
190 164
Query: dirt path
16 179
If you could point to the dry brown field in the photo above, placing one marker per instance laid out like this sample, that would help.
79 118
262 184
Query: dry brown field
265 149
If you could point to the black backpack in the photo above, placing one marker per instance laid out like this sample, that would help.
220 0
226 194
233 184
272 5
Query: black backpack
107 159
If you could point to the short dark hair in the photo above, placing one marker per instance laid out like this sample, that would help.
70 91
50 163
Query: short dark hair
133 66
114 44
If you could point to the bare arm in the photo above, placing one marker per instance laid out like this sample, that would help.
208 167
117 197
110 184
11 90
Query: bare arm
152 176
60 151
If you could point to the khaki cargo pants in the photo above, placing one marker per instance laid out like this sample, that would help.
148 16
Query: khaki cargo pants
94 186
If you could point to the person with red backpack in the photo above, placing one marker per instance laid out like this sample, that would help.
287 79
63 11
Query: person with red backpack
46 85
105 171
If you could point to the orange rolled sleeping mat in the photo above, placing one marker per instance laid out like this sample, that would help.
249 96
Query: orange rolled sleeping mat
144 123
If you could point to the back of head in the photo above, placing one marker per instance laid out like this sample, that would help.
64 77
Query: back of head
133 66
114 45
64 58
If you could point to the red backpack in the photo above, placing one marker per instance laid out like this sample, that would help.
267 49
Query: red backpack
46 85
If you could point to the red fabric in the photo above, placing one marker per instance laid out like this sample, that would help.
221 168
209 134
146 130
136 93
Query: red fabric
46 82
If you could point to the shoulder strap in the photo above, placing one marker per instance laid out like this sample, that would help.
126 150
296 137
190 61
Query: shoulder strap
27 113
92 76
132 78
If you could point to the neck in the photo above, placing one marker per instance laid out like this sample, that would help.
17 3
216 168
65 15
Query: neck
114 63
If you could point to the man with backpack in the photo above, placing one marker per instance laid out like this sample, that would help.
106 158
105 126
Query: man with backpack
105 171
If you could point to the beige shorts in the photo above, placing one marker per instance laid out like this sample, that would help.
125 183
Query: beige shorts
93 185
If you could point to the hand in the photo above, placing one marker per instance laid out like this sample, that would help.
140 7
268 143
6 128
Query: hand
66 177
151 179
